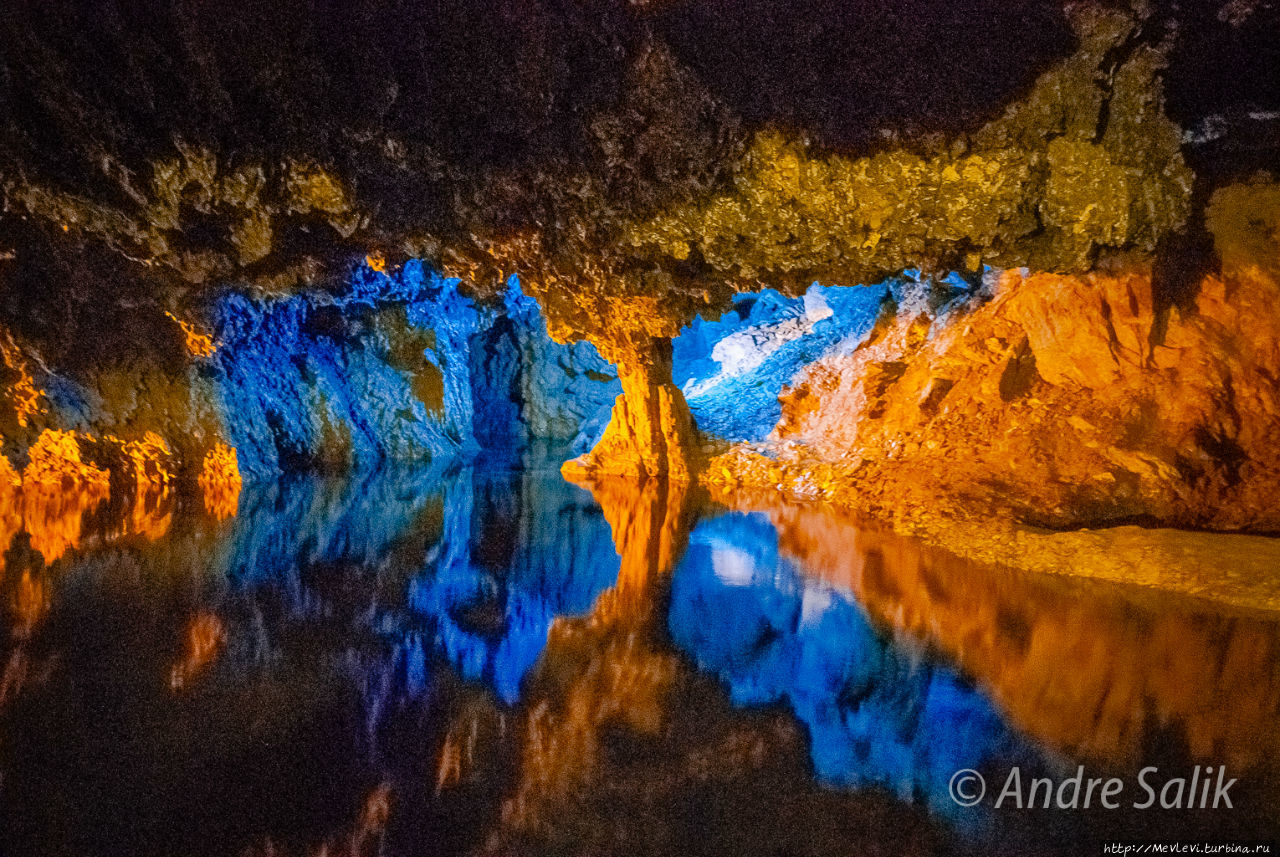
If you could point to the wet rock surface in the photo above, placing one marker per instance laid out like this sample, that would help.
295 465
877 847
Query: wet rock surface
1056 400
650 432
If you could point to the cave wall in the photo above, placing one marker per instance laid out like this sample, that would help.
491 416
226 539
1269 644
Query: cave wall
1053 399
733 370
380 367
180 208
402 367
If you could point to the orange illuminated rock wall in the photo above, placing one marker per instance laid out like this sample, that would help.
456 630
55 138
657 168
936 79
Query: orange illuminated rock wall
1057 400
22 392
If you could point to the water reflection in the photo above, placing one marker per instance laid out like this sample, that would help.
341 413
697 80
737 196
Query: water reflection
1101 673
472 661
878 711
512 558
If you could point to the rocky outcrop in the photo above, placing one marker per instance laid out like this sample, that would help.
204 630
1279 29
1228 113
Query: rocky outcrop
395 365
732 370
1055 399
403 366
336 381
559 386
650 432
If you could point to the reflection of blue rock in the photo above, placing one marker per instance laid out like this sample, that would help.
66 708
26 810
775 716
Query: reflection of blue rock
877 715
401 368
294 523
508 554
501 576
732 370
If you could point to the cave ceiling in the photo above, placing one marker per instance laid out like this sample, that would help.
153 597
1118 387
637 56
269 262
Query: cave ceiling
613 153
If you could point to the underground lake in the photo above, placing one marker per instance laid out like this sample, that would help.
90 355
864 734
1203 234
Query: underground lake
497 660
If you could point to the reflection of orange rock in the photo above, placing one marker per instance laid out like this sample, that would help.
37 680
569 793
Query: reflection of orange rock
606 670
58 488
55 520
10 503
146 469
1089 670
367 837
150 515
31 603
650 521
220 481
621 683
55 462
205 636
364 839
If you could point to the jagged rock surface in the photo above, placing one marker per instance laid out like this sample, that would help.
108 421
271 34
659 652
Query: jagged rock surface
395 367
1059 400
733 370
650 432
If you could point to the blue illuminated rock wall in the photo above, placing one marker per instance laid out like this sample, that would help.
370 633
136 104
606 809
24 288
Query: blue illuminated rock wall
405 367
732 370
322 379
399 367
560 387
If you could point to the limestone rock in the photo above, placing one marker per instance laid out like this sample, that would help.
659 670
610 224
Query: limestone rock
650 433
1058 400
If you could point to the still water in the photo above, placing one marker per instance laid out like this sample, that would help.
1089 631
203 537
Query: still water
497 661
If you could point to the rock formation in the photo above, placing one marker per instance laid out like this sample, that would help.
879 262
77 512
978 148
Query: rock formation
1056 400
398 367
650 432
309 260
